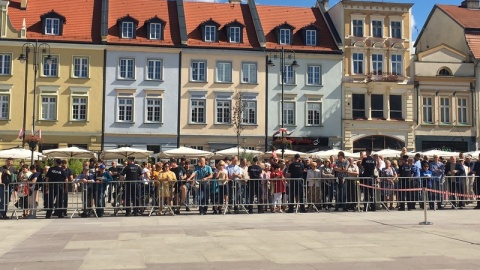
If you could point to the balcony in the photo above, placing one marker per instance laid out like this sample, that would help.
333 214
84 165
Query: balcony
370 77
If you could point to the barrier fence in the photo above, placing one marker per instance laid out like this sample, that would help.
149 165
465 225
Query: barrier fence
95 198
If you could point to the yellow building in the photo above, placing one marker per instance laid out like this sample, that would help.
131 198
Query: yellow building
377 87
68 98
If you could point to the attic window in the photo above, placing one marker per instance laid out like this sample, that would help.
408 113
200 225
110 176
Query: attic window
210 31
155 27
127 27
285 34
311 38
234 31
444 72
52 23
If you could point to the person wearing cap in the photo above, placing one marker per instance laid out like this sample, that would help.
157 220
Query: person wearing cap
455 173
368 165
132 173
295 185
56 179
437 168
102 179
254 185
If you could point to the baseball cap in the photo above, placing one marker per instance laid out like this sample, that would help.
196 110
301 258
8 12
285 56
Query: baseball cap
101 166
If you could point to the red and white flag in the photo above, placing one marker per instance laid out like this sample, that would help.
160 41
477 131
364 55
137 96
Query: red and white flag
21 133
40 133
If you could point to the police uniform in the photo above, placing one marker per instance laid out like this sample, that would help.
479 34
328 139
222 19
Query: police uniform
254 172
296 170
132 172
368 165
56 177
406 170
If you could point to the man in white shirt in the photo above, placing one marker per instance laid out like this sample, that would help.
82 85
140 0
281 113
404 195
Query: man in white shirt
235 173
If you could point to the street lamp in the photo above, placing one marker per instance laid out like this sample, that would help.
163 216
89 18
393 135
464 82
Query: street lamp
282 64
24 56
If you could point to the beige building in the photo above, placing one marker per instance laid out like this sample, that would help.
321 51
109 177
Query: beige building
377 88
446 72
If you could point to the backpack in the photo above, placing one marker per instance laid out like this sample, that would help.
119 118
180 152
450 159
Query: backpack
23 190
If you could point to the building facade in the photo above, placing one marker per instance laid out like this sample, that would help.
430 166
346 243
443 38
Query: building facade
67 96
377 88
446 76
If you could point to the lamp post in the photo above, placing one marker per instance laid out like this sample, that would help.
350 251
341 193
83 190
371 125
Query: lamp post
26 49
282 64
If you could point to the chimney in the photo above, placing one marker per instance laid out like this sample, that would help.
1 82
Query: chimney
471 4
322 4
23 4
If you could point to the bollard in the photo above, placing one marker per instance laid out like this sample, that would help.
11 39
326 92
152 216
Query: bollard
425 221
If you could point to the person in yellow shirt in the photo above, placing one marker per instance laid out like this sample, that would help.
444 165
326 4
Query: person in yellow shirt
167 179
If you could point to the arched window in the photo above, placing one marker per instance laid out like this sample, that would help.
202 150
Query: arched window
444 72
377 142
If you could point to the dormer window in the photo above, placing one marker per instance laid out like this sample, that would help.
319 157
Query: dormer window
127 27
285 34
210 31
155 27
52 23
311 38
234 31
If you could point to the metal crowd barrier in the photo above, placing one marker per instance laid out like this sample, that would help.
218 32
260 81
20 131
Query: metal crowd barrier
3 199
458 191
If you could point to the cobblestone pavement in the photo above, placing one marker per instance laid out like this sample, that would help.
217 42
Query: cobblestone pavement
380 240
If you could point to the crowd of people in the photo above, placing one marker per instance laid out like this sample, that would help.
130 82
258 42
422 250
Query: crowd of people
232 185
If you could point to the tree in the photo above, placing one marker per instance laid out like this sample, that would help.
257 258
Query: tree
237 117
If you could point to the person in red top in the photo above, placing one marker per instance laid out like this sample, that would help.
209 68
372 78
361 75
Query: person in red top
278 182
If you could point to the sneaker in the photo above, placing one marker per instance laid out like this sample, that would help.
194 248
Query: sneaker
187 209
280 211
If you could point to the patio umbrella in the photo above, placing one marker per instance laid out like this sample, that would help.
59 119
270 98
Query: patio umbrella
474 154
186 152
388 153
20 153
334 152
125 152
440 153
234 151
288 153
69 152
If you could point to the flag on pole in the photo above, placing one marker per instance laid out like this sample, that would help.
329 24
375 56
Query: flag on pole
21 133
40 133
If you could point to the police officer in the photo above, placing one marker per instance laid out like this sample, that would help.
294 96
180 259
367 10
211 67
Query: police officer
405 173
295 171
55 175
368 164
131 173
254 172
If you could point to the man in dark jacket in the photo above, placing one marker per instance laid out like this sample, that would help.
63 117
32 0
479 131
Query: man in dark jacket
455 173
476 184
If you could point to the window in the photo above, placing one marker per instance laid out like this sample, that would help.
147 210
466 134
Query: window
49 108
196 147
285 38
377 29
79 108
50 68
4 107
127 69
289 113
125 109
155 31
197 111
210 33
444 72
358 28
376 102
427 110
224 72
52 26
249 73
289 75
314 111
396 107
198 73
358 106
396 29
223 112
249 112
80 67
154 110
127 29
377 64
357 63
445 110
5 64
314 75
235 34
154 70
311 38
462 111
397 64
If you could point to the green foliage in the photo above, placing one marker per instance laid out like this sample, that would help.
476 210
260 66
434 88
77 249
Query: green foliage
247 156
75 165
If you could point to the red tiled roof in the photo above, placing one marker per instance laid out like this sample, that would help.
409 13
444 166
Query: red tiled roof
143 10
467 18
298 17
473 41
223 13
83 19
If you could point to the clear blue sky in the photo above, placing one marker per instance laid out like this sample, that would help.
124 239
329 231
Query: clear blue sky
421 8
